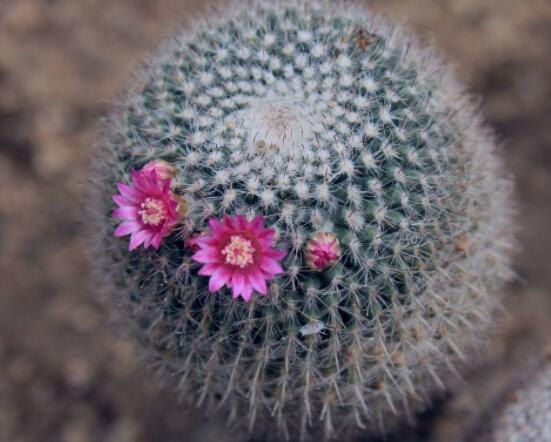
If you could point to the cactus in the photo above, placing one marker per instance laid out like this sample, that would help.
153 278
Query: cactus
525 412
383 198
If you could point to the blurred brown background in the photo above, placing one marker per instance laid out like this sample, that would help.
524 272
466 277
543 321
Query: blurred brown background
64 376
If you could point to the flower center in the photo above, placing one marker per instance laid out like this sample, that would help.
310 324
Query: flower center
239 251
152 211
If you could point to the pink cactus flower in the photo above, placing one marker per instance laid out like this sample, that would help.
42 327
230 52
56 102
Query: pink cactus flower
322 251
192 243
239 254
148 209
165 170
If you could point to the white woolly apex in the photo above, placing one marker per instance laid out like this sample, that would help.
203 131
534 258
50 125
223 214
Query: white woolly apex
277 127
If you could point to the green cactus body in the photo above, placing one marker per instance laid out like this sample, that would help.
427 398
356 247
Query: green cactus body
322 119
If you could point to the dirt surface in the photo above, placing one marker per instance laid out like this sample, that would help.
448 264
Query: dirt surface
64 375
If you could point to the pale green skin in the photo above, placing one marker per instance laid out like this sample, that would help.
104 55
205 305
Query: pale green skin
398 168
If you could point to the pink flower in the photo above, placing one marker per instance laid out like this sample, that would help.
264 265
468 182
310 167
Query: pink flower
148 209
192 243
164 169
322 251
239 254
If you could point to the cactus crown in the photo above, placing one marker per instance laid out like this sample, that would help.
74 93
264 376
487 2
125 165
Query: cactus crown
333 126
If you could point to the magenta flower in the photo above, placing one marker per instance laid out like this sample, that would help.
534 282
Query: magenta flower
239 254
148 209
164 169
322 251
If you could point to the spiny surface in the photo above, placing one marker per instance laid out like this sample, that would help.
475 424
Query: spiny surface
322 120
527 416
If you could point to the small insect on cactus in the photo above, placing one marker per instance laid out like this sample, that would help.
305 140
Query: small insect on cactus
317 220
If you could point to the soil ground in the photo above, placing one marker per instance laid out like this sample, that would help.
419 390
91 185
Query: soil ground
64 375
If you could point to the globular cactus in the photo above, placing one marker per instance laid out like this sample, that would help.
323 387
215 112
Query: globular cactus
525 412
325 170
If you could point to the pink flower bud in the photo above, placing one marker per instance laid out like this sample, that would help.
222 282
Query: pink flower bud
322 251
164 169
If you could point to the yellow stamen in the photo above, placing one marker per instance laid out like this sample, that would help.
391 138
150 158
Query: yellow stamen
152 211
239 252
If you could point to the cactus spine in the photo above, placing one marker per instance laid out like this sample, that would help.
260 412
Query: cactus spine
332 125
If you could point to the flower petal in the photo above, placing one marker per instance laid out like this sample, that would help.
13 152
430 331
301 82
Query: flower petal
218 279
122 201
126 212
147 183
257 223
241 222
127 228
156 243
277 255
271 266
247 291
205 256
258 282
214 224
238 282
208 269
130 193
138 238
205 241
228 222
148 241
